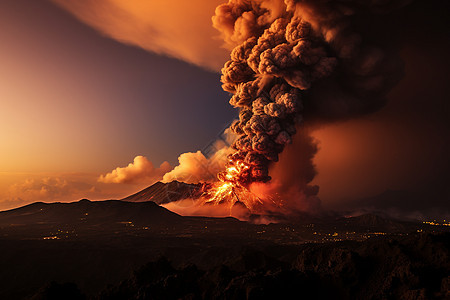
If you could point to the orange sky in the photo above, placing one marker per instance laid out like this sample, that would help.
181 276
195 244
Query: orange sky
75 104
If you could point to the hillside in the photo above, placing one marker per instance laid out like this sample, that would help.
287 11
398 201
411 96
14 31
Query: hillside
161 193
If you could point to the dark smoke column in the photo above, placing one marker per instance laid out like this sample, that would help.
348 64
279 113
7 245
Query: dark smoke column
296 60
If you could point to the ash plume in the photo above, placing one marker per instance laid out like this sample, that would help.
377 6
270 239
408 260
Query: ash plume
296 61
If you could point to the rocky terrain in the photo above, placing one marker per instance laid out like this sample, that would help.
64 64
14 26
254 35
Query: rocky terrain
162 193
140 250
407 268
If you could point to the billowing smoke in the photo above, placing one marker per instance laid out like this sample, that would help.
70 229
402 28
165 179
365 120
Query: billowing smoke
300 60
294 65
291 178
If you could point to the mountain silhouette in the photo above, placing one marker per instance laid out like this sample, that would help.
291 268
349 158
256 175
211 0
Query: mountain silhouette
85 211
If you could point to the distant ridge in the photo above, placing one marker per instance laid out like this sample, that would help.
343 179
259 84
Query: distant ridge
374 221
162 193
100 212
144 207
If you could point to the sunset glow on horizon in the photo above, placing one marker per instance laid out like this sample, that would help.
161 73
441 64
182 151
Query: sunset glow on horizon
74 101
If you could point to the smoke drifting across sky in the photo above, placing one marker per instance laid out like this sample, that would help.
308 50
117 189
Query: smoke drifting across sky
180 29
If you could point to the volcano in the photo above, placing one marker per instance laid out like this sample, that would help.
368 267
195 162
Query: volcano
162 193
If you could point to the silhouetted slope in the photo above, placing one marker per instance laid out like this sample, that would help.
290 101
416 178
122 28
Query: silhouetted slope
85 211
56 291
161 193
375 222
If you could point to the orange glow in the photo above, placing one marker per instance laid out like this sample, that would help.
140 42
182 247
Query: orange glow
435 223
182 30
230 188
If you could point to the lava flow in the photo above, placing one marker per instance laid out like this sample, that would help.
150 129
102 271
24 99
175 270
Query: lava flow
232 187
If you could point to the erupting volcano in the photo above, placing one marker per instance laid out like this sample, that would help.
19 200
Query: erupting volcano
293 62
232 187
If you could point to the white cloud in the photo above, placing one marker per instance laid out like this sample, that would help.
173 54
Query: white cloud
141 170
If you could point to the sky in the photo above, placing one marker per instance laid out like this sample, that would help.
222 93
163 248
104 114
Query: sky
90 86
74 101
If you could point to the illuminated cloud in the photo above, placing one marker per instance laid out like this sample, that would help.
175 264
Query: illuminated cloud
139 171
47 189
17 189
181 29
195 167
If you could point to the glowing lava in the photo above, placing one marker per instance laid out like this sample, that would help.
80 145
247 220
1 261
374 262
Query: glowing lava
232 187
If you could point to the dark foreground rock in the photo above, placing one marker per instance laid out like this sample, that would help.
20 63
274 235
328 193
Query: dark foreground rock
381 268
88 249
